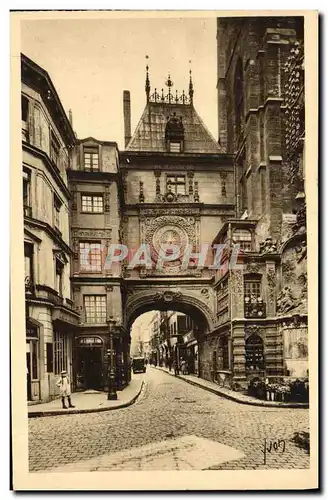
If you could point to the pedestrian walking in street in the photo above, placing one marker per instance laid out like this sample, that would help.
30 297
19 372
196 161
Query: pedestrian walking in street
183 366
65 389
175 367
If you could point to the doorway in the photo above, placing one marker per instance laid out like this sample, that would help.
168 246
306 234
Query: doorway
89 368
32 370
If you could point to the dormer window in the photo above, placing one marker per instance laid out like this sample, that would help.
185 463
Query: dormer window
91 158
175 147
174 134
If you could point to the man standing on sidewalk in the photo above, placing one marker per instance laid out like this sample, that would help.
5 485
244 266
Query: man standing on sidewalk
175 367
65 389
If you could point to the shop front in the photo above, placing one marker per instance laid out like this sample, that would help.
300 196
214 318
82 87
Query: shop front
191 352
89 362
92 361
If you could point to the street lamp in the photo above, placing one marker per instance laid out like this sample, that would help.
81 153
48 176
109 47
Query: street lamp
111 372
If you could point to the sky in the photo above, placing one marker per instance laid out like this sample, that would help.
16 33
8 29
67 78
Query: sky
92 61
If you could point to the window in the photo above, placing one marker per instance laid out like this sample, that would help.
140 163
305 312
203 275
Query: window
54 148
27 193
175 147
60 352
254 306
92 203
174 134
95 308
252 289
243 238
254 353
59 277
90 256
176 184
24 104
57 206
28 260
91 159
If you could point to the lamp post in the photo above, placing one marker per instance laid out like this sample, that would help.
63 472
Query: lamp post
111 372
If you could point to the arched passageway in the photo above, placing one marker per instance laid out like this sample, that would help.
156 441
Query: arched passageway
180 323
167 300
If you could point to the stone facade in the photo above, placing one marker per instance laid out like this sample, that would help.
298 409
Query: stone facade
50 318
95 225
175 184
261 120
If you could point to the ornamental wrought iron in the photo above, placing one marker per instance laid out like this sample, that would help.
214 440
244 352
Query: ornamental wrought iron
254 307
170 98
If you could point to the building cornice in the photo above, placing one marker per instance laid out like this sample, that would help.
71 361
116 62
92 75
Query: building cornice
85 176
52 168
53 233
130 159
98 141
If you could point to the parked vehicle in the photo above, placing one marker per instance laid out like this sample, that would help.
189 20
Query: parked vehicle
138 365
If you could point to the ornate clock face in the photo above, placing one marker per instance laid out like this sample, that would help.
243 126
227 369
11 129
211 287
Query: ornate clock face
170 235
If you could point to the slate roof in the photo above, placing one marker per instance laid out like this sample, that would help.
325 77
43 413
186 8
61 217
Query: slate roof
150 132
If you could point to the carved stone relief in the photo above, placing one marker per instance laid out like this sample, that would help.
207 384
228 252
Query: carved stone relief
253 267
156 212
205 293
268 246
271 289
92 233
107 199
167 296
141 192
196 195
288 268
168 230
286 301
237 293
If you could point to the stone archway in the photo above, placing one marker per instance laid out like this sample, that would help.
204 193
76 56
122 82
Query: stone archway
163 299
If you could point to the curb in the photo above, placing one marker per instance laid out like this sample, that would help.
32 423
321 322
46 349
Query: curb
266 404
54 413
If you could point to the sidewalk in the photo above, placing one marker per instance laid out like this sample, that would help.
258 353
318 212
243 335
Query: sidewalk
229 394
89 401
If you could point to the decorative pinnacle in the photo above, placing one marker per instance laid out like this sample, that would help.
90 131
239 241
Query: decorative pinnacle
147 86
169 82
191 87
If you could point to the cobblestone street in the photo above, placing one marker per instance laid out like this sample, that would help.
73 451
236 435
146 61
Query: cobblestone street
169 409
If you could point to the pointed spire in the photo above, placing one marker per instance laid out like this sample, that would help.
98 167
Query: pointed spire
169 84
191 88
147 85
